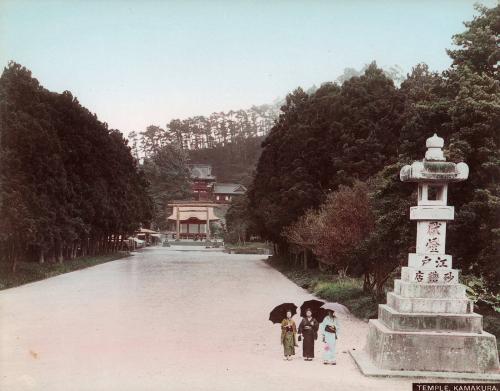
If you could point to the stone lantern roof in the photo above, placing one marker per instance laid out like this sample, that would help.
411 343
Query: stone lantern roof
434 167
434 151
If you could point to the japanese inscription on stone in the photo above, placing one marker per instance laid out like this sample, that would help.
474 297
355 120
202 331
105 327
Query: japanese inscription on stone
433 276
432 245
448 277
440 262
433 228
426 260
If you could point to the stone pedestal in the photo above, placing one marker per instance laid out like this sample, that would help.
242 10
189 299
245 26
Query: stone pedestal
430 327
428 323
420 350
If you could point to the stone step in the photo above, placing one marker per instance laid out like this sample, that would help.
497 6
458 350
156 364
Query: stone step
431 351
433 291
437 276
400 321
420 305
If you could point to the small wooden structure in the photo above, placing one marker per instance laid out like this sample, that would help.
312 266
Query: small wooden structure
192 218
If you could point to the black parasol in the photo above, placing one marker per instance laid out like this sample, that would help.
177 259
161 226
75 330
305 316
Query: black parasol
318 313
279 312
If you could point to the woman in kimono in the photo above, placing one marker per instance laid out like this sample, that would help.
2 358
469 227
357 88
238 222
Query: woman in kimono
288 334
329 330
308 329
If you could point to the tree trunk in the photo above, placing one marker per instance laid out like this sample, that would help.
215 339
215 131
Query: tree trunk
366 282
305 259
13 257
14 264
41 258
51 255
60 257
381 279
343 272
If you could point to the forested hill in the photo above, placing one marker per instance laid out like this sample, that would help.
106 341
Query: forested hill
199 132
233 162
229 141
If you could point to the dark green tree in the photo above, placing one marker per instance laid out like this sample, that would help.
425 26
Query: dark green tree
68 185
331 138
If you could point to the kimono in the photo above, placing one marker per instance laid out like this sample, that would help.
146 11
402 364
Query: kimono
329 329
288 333
309 331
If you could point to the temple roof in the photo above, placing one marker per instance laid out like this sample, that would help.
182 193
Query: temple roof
229 188
193 212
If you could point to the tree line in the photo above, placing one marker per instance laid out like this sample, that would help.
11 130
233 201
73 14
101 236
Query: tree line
327 188
199 132
69 186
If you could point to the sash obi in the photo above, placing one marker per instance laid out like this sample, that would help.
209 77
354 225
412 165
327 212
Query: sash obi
330 329
288 329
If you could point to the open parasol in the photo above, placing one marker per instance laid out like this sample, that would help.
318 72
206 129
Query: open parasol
279 312
318 313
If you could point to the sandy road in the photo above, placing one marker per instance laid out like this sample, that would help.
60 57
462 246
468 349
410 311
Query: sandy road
165 319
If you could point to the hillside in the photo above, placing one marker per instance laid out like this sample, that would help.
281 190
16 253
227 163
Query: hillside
233 162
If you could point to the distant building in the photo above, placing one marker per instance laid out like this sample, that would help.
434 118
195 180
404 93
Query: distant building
203 181
224 192
191 218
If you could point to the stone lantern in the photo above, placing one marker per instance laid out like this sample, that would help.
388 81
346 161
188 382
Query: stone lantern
428 324
430 264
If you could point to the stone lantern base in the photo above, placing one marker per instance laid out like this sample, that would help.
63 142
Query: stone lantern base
451 351
429 327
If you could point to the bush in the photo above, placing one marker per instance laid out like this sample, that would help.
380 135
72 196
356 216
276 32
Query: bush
340 290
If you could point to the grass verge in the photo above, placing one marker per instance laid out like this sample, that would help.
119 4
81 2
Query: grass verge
31 271
346 291
248 248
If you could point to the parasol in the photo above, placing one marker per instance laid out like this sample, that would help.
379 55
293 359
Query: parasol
318 313
279 312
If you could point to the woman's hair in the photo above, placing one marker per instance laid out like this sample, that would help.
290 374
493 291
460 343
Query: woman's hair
308 310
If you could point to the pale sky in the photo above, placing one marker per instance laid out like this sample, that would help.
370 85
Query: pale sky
136 63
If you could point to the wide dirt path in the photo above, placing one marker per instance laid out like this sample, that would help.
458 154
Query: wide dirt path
165 319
